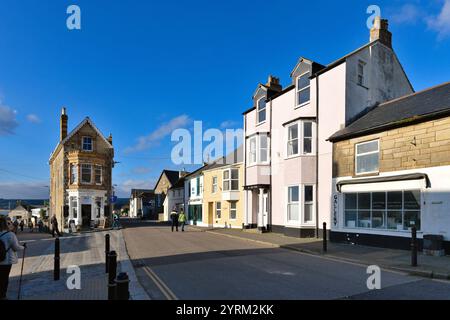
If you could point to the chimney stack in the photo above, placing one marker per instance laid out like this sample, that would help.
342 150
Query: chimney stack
63 124
274 83
110 139
380 31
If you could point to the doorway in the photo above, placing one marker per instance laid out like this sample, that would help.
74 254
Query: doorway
86 215
211 214
265 210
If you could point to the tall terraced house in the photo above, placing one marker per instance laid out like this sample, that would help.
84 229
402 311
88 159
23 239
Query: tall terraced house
81 175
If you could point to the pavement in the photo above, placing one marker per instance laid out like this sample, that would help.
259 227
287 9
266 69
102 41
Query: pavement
85 250
398 260
208 265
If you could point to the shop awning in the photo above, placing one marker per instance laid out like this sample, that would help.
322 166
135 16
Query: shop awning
403 177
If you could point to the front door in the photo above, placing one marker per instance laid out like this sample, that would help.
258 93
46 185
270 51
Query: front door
86 215
265 209
211 214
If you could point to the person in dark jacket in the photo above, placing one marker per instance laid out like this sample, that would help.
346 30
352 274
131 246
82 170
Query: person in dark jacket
174 218
54 223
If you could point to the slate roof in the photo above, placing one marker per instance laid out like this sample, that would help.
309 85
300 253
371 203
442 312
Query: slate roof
414 108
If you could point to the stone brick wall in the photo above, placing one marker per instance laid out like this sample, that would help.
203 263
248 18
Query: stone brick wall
415 146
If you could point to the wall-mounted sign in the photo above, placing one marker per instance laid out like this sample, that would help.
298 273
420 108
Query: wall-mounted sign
335 209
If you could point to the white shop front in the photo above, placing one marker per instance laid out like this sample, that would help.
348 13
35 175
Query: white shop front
87 207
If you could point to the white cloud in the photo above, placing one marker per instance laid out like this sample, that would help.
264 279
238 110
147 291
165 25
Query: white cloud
145 142
441 22
409 13
123 189
24 190
229 124
141 170
33 118
8 122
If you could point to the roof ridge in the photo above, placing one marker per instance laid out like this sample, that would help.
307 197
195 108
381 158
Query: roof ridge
414 94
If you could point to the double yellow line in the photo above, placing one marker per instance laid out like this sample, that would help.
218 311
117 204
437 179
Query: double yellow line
159 283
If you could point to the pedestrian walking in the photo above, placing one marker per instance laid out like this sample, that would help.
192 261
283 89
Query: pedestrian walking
31 225
21 225
16 226
9 245
182 220
54 223
41 226
116 222
174 218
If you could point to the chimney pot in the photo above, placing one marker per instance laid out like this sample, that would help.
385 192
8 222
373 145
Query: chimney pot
380 31
63 124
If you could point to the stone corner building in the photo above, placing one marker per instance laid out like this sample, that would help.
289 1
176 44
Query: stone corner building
81 175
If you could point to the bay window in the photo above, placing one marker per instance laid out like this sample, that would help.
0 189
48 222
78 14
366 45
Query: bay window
231 180
98 174
303 89
367 157
258 149
300 138
86 173
391 210
73 174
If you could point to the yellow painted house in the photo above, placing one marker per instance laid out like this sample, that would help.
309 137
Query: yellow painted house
223 196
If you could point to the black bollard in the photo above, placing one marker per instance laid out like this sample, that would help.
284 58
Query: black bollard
325 247
414 247
122 289
112 265
106 252
56 268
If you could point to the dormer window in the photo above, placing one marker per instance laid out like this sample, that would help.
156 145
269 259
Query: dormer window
87 144
303 89
261 106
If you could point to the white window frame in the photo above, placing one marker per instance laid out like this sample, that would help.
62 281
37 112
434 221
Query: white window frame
74 200
73 173
294 222
301 139
218 210
233 210
214 186
230 179
96 167
298 90
254 156
81 173
82 143
258 111
365 154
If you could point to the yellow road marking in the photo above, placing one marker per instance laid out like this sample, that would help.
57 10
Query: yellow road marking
160 284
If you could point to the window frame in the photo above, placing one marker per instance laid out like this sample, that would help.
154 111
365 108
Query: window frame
365 154
312 203
258 111
230 180
214 185
73 173
233 210
385 210
301 139
82 144
361 75
218 210
81 173
96 167
254 156
288 204
298 90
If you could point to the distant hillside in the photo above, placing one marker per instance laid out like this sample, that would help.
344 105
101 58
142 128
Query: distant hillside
5 203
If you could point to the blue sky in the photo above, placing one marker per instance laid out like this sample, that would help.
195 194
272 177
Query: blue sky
140 69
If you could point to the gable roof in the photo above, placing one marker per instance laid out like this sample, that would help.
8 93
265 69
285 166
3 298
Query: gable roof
86 120
171 175
404 111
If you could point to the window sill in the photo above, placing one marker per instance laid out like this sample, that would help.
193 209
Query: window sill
302 105
258 124
362 86
366 174
300 155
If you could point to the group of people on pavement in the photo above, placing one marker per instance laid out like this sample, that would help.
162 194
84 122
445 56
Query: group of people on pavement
32 224
9 245
178 218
